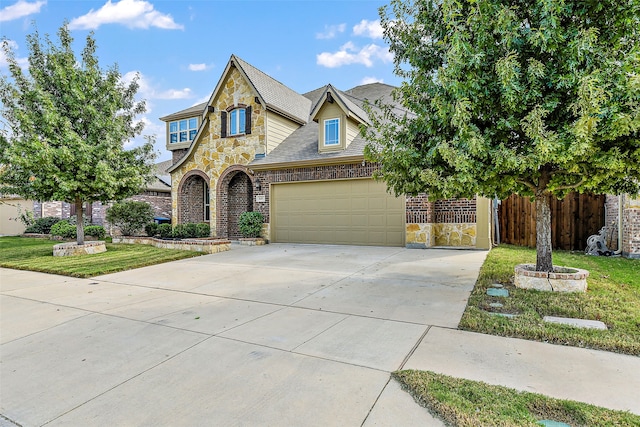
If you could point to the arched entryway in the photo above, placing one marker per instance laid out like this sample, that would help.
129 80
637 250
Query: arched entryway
235 196
193 198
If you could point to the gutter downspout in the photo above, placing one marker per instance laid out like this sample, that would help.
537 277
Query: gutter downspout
620 207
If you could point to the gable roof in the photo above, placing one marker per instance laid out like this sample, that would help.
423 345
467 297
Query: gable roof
274 95
350 108
301 147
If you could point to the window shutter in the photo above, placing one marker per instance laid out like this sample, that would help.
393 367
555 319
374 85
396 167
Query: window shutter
247 123
223 124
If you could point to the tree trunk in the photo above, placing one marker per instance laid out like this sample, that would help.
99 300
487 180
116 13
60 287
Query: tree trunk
79 221
543 232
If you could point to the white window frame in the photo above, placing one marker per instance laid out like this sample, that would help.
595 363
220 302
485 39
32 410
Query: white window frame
240 128
188 130
336 142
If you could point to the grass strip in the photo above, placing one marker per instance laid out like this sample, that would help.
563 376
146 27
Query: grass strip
462 403
37 255
613 297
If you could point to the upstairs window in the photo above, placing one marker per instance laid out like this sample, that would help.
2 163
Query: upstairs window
183 130
332 132
236 122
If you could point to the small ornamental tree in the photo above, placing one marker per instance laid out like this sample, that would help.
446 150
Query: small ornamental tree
535 97
130 216
68 121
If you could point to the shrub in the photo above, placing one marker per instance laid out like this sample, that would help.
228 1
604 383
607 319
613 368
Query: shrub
180 231
64 229
96 231
165 231
203 230
191 229
250 224
151 229
42 225
130 216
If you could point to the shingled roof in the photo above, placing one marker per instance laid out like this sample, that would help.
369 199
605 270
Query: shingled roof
275 95
302 145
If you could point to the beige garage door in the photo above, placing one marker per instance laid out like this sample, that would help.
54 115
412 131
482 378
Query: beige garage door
350 212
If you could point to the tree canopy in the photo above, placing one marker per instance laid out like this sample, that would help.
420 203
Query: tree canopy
531 97
68 123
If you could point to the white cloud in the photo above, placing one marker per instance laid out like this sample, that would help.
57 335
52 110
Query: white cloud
130 13
201 100
330 31
350 54
147 91
151 128
199 67
369 80
20 9
174 94
371 29
22 62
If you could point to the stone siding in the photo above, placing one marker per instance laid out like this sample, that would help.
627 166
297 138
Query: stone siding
212 154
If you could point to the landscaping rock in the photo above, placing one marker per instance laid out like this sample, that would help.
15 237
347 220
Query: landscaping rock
496 305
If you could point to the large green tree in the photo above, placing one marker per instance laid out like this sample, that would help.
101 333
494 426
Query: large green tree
68 122
532 97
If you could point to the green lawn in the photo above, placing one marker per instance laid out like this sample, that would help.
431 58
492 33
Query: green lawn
37 255
613 297
463 403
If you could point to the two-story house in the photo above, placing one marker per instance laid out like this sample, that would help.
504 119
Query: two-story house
258 145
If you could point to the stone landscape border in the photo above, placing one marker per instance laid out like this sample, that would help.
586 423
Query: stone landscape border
209 246
73 248
562 279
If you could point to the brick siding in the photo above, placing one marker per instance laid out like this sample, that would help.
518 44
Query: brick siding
192 200
455 211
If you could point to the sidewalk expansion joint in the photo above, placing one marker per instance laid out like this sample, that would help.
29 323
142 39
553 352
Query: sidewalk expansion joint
415 347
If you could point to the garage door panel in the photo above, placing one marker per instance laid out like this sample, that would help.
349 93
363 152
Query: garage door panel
337 212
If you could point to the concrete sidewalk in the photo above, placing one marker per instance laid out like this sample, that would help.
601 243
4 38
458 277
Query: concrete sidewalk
597 377
277 335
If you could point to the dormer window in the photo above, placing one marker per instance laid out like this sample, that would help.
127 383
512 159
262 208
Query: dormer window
183 130
332 132
236 122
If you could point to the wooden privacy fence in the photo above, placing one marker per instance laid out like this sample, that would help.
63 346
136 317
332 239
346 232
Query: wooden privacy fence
573 220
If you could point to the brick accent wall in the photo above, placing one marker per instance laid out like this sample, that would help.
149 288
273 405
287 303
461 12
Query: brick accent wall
419 209
611 206
238 201
631 228
178 154
455 211
192 200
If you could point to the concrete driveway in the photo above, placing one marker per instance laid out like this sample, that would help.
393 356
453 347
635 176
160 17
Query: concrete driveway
276 335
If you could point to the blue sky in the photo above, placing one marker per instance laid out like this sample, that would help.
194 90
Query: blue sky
180 48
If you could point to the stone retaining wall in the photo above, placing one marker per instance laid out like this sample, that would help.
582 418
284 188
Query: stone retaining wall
195 245
73 249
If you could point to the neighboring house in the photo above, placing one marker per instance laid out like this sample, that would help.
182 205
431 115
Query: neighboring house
157 194
11 207
257 145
